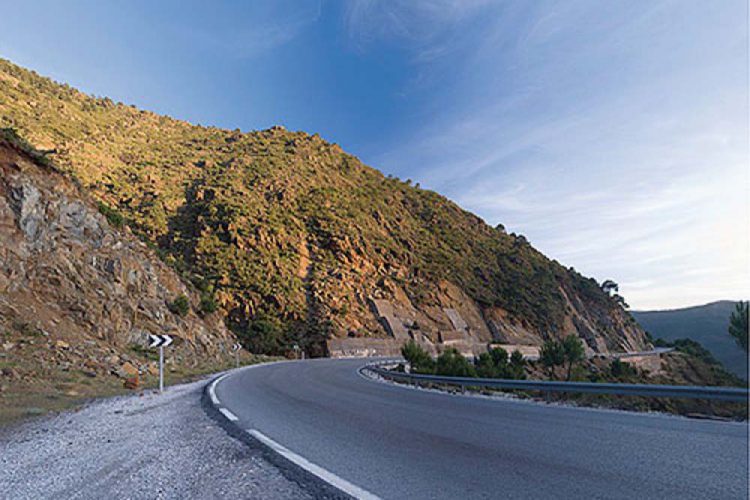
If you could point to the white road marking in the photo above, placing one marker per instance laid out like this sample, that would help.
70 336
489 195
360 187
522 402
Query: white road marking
328 477
212 390
212 387
228 414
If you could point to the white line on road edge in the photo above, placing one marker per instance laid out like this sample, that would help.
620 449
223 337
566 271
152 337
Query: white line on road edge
328 477
212 390
228 414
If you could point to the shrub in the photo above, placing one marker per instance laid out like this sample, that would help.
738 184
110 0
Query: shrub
495 364
452 363
419 359
208 303
263 335
618 369
499 356
180 306
114 217
485 366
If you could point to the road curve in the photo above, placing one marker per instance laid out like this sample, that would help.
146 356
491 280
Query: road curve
397 442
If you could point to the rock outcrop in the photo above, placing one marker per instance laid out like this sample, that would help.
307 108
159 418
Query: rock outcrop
77 293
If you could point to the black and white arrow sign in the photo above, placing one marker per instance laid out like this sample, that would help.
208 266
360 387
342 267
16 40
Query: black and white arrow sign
236 347
159 340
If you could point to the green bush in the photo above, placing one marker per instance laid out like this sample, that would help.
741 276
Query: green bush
485 366
114 217
452 363
208 303
621 370
495 364
264 335
419 359
180 306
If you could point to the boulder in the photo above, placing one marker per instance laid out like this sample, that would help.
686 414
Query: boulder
132 382
127 370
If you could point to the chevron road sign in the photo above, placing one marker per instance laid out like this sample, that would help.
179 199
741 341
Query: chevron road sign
160 341
236 349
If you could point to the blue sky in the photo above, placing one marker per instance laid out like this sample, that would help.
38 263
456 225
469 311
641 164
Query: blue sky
614 134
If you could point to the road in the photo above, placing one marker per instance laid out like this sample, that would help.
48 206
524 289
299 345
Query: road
398 442
656 351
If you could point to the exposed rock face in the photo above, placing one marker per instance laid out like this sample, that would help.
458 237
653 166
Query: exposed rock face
452 319
90 291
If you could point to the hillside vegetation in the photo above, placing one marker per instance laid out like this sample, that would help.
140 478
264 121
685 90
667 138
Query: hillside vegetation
289 235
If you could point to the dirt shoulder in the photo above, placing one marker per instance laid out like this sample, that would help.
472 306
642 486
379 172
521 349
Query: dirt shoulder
140 446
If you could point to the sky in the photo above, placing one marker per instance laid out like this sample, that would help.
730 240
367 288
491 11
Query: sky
613 135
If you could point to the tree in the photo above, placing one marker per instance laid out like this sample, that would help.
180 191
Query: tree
573 350
495 364
621 300
499 356
551 355
609 287
485 366
738 324
419 359
517 365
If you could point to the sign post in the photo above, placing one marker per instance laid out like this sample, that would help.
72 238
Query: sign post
161 368
160 341
236 348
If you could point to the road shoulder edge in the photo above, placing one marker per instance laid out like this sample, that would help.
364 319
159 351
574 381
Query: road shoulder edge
317 487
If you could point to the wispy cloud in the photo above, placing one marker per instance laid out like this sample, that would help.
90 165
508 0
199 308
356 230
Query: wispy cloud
615 138
426 27
259 33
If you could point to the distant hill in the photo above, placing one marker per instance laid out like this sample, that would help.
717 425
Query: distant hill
706 324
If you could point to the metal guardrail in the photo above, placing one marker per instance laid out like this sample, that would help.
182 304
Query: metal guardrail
654 391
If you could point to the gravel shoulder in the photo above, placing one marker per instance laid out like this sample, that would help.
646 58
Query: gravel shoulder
150 446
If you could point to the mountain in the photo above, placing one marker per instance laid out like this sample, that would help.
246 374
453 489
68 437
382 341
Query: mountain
706 324
298 242
79 296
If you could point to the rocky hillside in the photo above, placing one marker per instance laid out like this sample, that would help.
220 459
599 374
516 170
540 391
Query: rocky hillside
300 243
78 296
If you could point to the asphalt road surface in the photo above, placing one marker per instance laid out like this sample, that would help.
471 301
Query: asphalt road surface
398 442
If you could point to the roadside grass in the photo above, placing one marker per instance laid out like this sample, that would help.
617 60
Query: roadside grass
61 390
